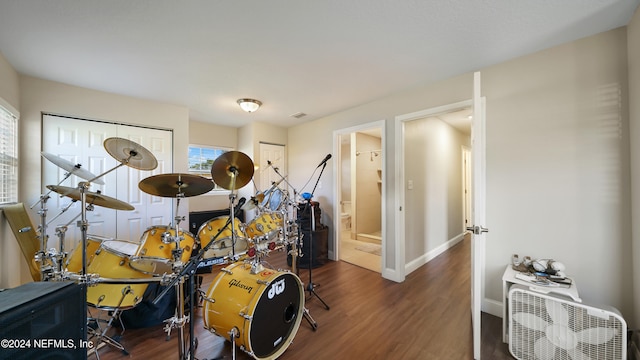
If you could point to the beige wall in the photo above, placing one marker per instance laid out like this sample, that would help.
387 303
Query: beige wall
557 165
368 192
9 86
212 135
433 163
557 162
633 46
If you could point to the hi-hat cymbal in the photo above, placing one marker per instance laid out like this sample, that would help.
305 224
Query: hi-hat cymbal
170 185
232 170
71 168
92 197
130 153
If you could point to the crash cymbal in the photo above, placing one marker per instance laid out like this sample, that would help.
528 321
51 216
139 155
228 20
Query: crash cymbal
92 197
170 185
71 168
232 170
130 153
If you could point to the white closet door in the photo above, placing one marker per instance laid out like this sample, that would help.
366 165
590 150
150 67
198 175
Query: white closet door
81 142
149 210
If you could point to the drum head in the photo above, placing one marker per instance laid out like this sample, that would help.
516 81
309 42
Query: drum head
277 316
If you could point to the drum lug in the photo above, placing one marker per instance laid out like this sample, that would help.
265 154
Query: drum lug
247 317
227 271
263 282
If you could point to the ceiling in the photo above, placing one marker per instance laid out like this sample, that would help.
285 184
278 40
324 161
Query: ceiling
311 57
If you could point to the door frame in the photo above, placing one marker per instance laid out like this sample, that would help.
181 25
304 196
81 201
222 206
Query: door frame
336 185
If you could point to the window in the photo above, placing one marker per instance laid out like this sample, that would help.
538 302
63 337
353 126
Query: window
201 160
8 157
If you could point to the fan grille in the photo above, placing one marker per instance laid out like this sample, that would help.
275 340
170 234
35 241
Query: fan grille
544 327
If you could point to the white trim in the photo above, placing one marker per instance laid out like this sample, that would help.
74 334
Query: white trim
425 258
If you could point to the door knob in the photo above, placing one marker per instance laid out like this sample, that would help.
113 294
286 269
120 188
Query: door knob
477 230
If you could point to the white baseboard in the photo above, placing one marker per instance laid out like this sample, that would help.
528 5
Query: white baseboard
492 307
415 264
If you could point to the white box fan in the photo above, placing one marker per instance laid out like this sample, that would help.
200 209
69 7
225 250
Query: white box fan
548 327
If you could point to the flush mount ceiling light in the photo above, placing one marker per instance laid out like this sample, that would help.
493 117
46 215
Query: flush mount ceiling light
249 105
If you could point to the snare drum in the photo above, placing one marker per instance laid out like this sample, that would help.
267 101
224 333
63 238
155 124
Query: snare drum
156 249
112 261
74 262
223 245
265 308
266 224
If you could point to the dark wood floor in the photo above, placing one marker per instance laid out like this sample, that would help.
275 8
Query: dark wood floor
425 317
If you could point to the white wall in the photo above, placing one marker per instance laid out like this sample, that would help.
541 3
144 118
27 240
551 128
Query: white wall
633 46
557 161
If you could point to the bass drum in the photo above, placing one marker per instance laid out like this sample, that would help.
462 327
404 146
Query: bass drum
265 308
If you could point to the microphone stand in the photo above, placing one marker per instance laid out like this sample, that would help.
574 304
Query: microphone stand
294 252
310 285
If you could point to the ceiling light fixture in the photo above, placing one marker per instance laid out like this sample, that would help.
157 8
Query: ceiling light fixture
249 105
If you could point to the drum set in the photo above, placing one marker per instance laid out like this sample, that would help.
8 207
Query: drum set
254 306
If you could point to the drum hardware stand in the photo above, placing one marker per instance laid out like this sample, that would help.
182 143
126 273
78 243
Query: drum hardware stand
101 333
190 270
295 254
42 256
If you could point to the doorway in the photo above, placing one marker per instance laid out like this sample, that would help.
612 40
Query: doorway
360 196
433 180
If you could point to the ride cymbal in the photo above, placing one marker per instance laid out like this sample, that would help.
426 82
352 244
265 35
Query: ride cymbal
171 185
71 168
92 197
130 153
232 170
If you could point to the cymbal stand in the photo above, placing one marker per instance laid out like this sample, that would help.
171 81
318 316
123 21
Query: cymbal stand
179 319
295 254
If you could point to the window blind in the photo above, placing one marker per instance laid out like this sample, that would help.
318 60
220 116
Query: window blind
8 157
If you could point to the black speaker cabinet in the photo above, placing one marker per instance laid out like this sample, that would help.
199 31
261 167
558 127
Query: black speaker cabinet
44 320
319 249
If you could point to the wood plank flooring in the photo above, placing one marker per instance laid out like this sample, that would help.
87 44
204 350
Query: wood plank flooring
425 317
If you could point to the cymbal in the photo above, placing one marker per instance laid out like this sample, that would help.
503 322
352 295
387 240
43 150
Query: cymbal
71 168
232 170
130 153
92 197
170 185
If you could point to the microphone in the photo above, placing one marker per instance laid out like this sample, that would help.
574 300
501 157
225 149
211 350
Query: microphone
239 205
324 161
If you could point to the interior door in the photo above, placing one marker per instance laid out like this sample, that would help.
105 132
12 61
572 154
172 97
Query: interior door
478 211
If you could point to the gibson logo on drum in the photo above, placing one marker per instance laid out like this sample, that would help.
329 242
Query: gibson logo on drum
276 289
239 284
